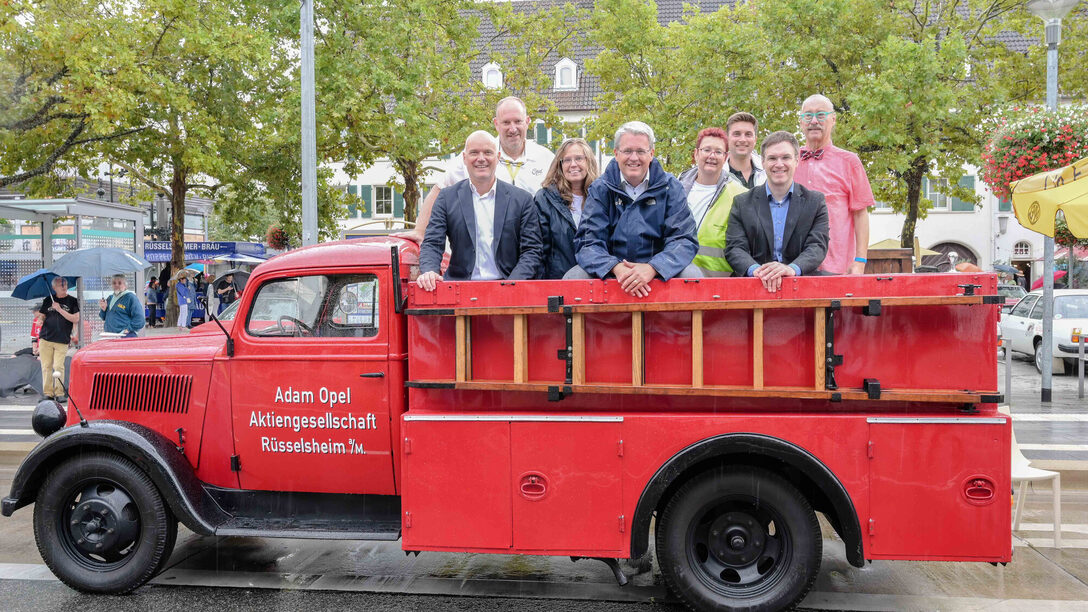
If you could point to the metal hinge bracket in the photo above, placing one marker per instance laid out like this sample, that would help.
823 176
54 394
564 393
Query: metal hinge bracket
235 463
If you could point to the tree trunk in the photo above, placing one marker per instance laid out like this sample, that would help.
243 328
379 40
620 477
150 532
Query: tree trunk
177 237
913 178
409 171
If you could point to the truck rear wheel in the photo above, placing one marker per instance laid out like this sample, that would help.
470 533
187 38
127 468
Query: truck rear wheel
741 539
101 525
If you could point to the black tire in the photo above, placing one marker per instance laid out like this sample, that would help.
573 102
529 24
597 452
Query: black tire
101 525
717 550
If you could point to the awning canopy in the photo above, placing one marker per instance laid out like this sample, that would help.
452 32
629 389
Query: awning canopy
49 209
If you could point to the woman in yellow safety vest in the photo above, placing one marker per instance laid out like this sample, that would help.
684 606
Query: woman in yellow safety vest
710 189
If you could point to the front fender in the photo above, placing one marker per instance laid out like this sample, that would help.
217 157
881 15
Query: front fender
148 449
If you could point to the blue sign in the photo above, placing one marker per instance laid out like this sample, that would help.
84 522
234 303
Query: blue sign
158 251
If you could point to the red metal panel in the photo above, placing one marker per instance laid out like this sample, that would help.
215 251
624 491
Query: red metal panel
492 348
608 348
919 478
547 336
456 491
432 342
727 347
668 348
787 348
566 486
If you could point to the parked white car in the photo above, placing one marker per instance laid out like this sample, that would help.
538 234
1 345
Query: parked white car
1022 328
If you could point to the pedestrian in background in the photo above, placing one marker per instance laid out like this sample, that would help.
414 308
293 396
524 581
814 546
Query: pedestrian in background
227 292
185 301
59 313
152 296
560 202
122 311
35 328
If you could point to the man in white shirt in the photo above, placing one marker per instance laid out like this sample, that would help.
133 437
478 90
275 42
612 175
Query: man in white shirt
522 162
492 226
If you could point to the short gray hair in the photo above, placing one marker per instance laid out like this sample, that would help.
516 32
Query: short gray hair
120 277
635 127
819 98
484 134
60 280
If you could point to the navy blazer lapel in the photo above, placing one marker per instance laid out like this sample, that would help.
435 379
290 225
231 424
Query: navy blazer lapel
763 210
464 201
502 205
797 201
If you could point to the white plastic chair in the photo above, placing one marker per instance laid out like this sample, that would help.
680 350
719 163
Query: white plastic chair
1023 473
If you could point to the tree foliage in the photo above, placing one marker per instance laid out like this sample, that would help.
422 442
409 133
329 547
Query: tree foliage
912 82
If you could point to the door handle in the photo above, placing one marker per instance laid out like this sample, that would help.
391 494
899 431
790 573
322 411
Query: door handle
373 375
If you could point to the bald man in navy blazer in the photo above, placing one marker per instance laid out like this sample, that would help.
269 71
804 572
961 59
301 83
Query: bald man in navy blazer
492 226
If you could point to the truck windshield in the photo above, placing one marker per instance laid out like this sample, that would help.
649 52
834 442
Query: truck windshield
321 306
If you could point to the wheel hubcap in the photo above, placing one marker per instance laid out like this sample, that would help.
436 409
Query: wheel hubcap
102 524
737 547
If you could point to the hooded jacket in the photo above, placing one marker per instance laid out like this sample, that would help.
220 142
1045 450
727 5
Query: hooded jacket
557 230
657 228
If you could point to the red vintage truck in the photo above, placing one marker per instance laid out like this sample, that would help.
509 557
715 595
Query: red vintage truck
712 419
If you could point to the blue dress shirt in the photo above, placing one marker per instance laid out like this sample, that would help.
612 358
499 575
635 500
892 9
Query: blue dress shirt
779 211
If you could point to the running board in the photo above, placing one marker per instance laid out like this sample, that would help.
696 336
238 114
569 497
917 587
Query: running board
313 529
325 516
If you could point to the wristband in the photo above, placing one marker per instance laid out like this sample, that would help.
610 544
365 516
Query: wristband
860 259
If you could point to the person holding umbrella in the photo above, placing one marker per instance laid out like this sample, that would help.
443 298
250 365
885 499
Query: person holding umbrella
60 313
122 312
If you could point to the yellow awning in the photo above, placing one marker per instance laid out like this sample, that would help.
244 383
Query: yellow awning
1038 198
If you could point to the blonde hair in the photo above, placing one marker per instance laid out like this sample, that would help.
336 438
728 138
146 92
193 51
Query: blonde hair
555 172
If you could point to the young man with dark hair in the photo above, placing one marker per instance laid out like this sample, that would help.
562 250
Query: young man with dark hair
59 312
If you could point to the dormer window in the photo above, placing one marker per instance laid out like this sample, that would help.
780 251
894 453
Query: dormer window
566 74
492 76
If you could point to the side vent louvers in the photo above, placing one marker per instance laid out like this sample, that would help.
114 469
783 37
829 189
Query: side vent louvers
141 392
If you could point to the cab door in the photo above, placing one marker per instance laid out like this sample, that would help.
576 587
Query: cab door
1016 326
310 398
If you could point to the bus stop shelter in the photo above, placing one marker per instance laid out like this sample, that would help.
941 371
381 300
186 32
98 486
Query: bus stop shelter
125 229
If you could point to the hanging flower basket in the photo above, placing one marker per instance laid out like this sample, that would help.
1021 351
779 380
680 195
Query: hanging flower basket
1028 141
278 239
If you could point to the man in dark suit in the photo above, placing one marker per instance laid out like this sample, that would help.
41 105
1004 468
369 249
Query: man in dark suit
781 229
492 226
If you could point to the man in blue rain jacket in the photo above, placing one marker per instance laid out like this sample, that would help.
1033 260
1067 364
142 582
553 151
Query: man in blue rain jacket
636 225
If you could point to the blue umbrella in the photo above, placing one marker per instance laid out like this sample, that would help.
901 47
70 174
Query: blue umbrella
1006 269
99 261
36 285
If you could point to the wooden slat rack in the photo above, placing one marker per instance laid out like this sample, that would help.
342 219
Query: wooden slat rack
823 387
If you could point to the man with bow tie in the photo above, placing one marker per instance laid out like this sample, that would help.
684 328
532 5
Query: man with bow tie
840 176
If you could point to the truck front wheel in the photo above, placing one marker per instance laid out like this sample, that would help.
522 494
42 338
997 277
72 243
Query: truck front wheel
739 539
101 525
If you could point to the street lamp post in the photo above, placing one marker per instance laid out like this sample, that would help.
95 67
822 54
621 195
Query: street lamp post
1051 12
309 138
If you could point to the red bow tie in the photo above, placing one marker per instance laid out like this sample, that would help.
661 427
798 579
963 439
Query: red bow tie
817 154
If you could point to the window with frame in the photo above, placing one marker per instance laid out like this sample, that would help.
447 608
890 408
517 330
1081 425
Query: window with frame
492 76
383 201
566 74
1021 249
934 188
333 306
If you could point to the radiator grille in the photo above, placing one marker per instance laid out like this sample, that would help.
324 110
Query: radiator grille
141 392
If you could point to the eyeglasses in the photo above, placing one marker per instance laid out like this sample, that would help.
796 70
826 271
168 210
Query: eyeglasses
820 116
708 151
576 159
630 152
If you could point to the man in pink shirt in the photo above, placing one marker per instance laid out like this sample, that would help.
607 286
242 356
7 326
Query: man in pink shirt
839 175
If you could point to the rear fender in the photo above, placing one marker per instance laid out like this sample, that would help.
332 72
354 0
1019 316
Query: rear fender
805 471
148 449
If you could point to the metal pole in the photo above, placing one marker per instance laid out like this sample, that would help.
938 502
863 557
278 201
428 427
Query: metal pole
1008 373
1053 35
1080 366
309 139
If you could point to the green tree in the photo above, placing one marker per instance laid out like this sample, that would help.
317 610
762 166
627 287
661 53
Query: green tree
394 78
910 81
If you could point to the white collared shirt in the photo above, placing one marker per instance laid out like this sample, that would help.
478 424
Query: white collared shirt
526 171
484 206
634 191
